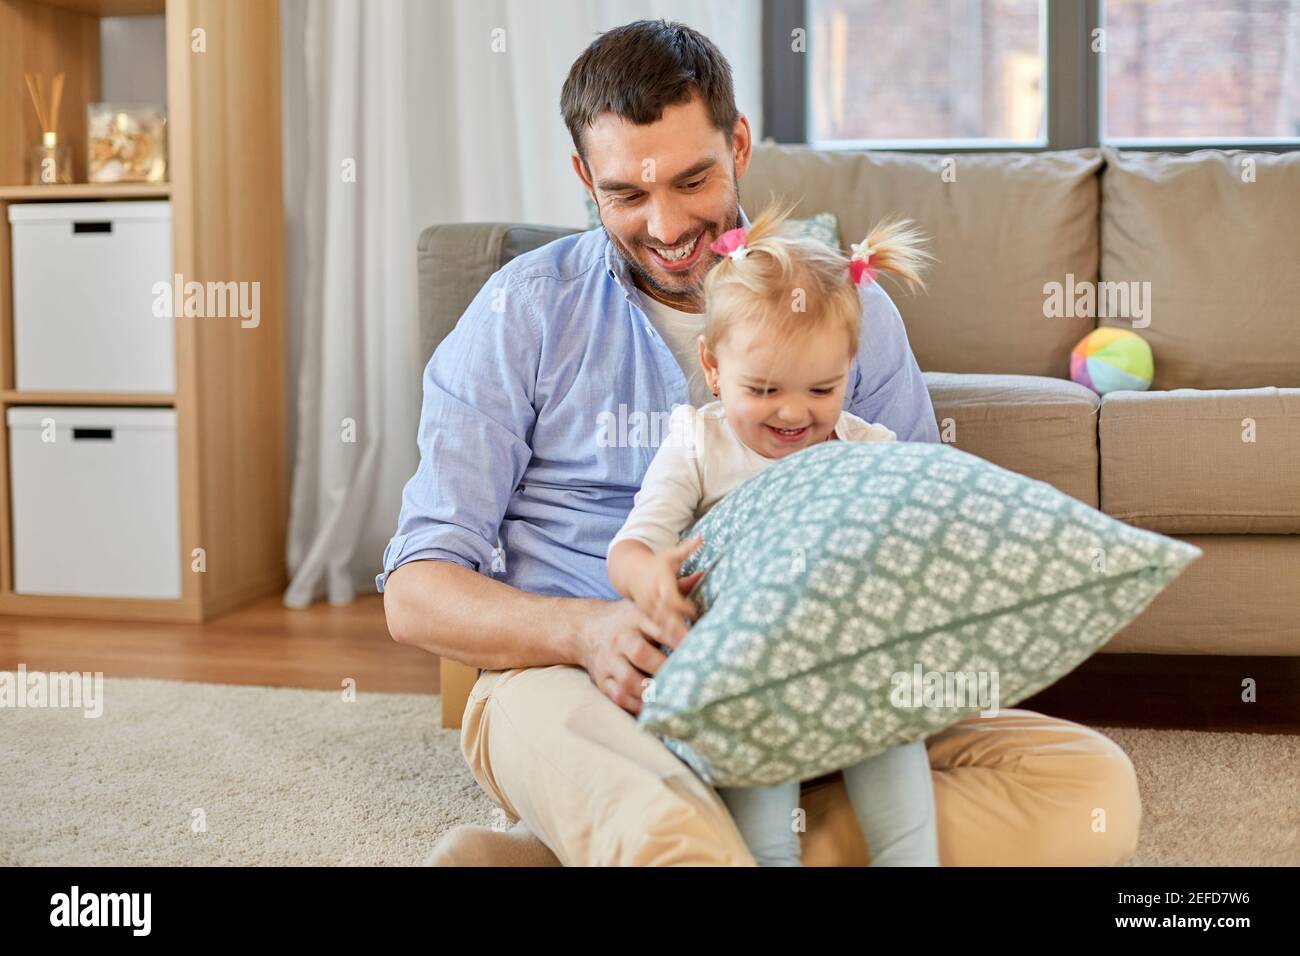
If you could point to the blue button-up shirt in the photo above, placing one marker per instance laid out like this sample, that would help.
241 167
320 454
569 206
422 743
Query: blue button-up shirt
544 405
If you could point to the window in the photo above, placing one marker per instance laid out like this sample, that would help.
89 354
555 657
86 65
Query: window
1201 70
926 72
952 75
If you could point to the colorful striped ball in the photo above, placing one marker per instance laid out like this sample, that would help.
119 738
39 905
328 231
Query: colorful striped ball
1111 360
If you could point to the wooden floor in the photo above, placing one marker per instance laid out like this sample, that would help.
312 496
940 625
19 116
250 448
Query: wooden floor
270 645
265 644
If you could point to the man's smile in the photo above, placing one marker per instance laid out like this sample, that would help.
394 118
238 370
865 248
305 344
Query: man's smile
680 257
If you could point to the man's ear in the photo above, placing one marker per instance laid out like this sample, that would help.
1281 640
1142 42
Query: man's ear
580 167
742 145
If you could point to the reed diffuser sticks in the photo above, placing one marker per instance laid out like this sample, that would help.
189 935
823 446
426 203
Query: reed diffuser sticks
36 86
51 160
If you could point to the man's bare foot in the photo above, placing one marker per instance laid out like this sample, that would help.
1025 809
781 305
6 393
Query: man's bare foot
470 845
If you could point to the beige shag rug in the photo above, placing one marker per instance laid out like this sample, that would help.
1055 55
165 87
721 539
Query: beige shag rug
185 773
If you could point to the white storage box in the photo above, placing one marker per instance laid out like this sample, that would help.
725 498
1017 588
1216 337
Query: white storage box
84 277
95 511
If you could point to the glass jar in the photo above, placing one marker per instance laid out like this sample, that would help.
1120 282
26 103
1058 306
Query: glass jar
126 143
51 162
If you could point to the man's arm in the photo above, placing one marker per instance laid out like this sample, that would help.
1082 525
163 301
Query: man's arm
890 389
462 615
475 431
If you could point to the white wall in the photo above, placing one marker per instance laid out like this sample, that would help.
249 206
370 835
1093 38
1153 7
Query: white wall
133 60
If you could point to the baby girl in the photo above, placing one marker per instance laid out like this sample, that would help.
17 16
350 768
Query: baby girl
783 321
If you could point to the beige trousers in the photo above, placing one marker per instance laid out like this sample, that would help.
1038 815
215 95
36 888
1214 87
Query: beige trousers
1019 789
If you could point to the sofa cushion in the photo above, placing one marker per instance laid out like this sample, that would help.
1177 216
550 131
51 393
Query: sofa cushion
1045 428
1203 462
1220 256
847 583
1005 226
1241 598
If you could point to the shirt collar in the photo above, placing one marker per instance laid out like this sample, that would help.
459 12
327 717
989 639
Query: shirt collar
617 268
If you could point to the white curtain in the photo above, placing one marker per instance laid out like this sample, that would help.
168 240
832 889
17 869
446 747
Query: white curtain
398 115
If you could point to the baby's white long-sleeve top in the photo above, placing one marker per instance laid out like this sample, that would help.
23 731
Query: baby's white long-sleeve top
699 461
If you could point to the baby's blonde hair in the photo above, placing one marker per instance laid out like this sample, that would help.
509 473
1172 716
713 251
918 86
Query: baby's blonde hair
794 286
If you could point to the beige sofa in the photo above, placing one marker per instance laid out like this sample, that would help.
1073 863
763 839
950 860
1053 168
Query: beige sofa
1211 240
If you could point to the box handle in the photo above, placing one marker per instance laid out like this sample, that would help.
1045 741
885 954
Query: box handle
92 227
92 434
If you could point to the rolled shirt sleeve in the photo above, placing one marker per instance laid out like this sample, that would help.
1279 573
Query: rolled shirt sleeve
890 388
476 421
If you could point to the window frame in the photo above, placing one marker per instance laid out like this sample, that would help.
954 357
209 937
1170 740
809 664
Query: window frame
1074 91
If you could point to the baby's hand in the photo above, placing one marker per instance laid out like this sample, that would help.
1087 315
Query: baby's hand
659 595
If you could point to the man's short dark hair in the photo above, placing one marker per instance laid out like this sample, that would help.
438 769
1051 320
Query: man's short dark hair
637 70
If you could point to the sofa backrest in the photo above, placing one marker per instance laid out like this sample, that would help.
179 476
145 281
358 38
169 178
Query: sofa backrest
1217 238
1211 238
1216 234
1002 225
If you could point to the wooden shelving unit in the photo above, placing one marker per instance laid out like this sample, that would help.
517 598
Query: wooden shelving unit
224 161
111 8
79 192
156 399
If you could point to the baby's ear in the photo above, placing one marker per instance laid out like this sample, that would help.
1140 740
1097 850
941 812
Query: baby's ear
706 360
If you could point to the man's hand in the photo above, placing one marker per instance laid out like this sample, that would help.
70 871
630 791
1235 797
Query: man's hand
620 647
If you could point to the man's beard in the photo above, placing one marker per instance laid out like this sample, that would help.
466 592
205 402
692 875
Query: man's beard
647 278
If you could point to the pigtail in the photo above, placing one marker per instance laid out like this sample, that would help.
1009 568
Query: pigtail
793 283
895 248
770 221
771 268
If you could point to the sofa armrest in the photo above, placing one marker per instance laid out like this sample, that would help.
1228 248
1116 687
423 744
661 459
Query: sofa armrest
454 260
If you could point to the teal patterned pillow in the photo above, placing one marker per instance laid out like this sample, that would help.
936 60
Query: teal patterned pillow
850 584
823 226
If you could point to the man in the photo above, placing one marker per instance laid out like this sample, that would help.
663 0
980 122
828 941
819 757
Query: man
520 401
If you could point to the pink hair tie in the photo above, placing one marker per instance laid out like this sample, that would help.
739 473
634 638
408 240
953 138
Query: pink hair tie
860 263
731 243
